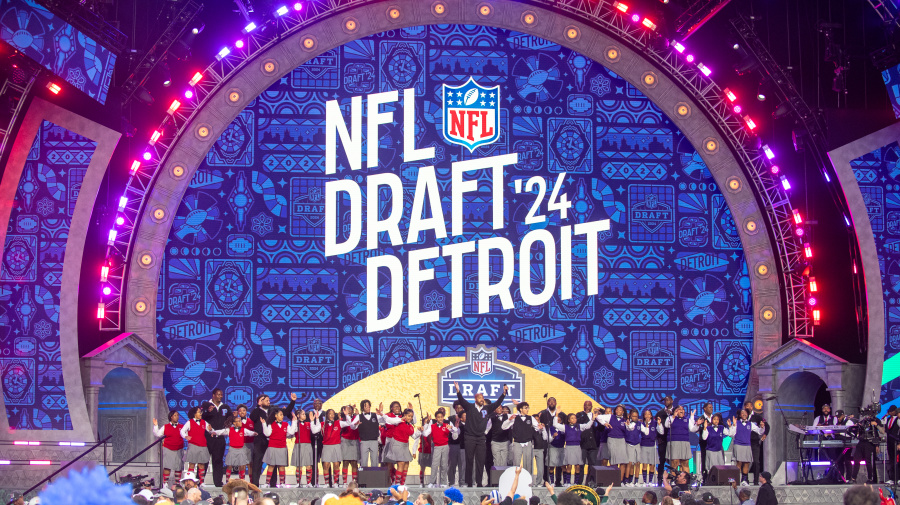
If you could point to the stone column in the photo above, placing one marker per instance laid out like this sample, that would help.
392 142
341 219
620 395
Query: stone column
154 397
92 397
837 399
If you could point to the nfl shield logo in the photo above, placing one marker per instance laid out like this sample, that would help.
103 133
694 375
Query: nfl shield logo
482 363
471 114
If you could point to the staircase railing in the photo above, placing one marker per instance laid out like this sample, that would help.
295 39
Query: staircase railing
156 442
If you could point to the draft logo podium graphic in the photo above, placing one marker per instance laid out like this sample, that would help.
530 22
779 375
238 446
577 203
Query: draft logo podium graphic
480 373
471 114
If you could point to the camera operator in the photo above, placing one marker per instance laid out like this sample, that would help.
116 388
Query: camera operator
682 481
743 494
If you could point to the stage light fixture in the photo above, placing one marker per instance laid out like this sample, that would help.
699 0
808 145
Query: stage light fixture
703 68
690 58
678 46
620 6
768 150
189 94
761 96
635 18
812 300
807 251
107 290
155 137
147 155
298 6
166 74
813 286
282 10
239 44
736 46
101 310
54 88
123 201
798 219
194 80
750 123
250 27
223 53
112 236
104 273
649 24
737 109
135 165
173 107
730 94
799 232
784 183
120 220
775 169
816 318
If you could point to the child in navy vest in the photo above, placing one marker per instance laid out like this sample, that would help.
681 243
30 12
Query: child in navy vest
632 446
741 430
649 454
618 452
679 443
714 434
571 432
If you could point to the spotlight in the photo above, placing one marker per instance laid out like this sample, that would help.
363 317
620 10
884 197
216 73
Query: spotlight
189 94
54 88
635 18
816 316
730 94
112 237
690 58
155 137
750 123
197 29
298 6
106 290
282 10
173 107
649 24
166 74
620 6
737 109
101 310
784 183
250 27
703 68
194 80
813 286
135 165
120 220
123 201
812 300
768 150
807 251
736 46
798 219
774 169
761 96
799 232
223 53
104 273
147 155
678 47
239 44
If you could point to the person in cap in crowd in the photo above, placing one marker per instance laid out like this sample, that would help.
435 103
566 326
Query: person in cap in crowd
603 493
707 498
766 494
376 497
189 481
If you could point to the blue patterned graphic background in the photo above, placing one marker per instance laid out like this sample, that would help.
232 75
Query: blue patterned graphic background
58 46
891 79
30 273
878 176
246 290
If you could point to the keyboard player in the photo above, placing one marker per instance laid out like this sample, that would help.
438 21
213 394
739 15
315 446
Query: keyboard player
826 419
843 463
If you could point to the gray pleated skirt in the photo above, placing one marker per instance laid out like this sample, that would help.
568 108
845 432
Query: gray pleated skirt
678 450
743 454
556 456
424 459
238 456
173 460
349 450
648 455
633 452
603 451
397 452
572 455
302 455
618 455
331 454
196 455
386 450
276 456
714 458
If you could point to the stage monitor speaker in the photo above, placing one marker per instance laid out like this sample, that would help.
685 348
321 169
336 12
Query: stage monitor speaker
606 475
495 473
719 475
374 477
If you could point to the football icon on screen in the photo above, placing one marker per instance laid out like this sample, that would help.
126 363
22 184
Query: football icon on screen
471 96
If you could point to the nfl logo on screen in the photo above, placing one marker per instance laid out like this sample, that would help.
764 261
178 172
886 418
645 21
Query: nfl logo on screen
471 114
482 363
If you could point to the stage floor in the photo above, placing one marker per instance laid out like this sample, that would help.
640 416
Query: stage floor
795 494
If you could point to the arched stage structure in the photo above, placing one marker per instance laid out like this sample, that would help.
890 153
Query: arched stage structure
189 316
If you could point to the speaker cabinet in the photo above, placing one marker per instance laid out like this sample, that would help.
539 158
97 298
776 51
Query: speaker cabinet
606 475
375 477
719 475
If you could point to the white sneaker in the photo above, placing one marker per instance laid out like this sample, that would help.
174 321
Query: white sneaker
745 483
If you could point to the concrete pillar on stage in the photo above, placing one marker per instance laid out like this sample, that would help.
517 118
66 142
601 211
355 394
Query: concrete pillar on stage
837 399
92 397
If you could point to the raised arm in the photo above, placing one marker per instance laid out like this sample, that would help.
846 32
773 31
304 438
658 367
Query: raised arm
645 429
660 429
158 430
315 426
462 401
509 422
267 430
249 433
392 420
559 427
292 428
589 423
692 426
